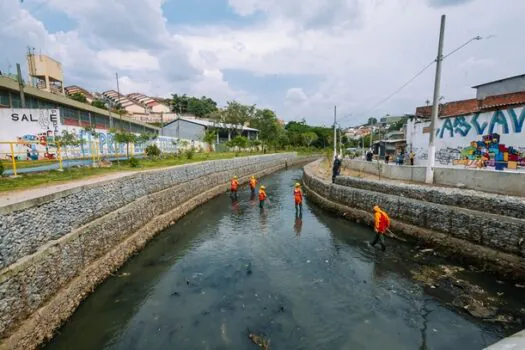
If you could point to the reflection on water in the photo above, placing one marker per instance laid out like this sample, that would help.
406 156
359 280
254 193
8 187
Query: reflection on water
305 282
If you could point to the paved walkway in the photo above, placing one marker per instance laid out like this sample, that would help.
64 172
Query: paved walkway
11 197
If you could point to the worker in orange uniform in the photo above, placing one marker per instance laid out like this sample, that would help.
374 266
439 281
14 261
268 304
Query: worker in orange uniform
234 186
298 196
381 224
262 196
252 184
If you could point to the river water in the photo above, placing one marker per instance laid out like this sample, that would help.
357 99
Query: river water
228 269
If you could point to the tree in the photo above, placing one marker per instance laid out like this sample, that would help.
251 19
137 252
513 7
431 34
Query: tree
199 107
210 137
238 142
309 137
266 122
398 125
68 139
372 121
78 96
99 104
126 137
236 114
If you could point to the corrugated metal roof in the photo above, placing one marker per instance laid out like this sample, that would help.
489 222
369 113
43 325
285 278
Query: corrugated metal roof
209 123
499 81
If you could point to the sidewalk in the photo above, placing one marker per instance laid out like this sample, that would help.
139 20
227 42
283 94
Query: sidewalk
12 197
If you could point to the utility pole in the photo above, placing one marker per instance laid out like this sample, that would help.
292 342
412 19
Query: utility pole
340 142
118 97
335 132
161 123
21 86
435 106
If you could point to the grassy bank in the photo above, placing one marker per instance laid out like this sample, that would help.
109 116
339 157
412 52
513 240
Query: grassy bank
25 181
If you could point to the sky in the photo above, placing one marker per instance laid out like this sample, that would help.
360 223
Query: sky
299 58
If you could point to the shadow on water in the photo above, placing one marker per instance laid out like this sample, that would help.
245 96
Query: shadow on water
311 282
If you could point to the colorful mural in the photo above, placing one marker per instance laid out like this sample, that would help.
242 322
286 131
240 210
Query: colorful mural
493 153
34 131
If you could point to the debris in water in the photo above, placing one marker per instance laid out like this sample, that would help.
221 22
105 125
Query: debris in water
124 274
519 285
260 341
223 333
427 250
307 261
175 294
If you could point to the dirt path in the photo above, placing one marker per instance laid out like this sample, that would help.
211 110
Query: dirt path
11 197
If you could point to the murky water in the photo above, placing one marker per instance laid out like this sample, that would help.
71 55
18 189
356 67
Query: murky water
313 283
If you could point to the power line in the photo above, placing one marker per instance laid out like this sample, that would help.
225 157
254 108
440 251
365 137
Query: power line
398 90
417 75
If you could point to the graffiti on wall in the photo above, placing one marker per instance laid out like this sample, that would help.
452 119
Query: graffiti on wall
454 135
35 132
509 121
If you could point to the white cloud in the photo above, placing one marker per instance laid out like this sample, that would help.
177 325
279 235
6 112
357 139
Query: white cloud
358 50
128 60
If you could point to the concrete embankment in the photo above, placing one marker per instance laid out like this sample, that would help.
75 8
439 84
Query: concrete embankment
54 251
503 182
486 230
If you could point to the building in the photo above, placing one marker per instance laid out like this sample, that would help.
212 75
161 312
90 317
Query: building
387 120
45 73
466 129
129 106
152 105
72 112
195 129
500 87
74 89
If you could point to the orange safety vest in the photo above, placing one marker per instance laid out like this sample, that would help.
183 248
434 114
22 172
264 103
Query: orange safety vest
298 195
262 195
234 185
382 221
253 183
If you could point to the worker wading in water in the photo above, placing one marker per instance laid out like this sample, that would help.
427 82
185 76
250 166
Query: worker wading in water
234 187
252 184
298 197
381 224
262 196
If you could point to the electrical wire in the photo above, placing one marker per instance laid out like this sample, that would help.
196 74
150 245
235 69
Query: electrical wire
415 77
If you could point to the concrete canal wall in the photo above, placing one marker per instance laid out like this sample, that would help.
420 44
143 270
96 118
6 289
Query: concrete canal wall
55 250
503 182
486 229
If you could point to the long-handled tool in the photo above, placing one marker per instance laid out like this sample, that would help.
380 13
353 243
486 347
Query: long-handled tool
395 236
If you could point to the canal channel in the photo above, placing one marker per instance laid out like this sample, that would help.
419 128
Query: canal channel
228 269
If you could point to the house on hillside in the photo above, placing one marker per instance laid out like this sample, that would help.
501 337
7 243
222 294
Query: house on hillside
195 129
73 89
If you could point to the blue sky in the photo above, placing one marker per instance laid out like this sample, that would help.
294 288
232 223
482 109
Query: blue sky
297 57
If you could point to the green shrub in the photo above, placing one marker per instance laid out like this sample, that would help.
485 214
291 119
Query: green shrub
1 168
189 153
152 151
134 162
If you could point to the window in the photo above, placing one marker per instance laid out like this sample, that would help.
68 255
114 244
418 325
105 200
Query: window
4 98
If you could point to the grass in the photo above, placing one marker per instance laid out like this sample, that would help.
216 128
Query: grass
20 164
25 181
